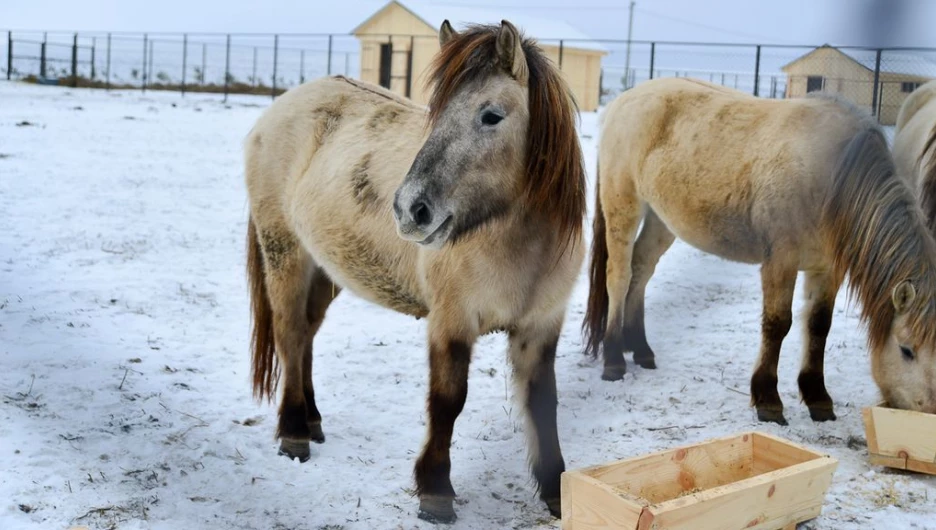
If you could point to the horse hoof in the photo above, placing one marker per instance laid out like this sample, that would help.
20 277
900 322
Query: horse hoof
822 414
555 507
316 434
294 449
771 415
645 362
614 372
437 509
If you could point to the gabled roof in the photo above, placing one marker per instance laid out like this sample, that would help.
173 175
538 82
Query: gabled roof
892 62
544 30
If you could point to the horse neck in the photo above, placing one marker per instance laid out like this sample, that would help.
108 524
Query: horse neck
876 234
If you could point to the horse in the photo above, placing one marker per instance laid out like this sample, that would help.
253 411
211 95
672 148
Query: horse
915 146
469 212
803 184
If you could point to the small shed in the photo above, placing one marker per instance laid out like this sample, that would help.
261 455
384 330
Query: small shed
399 41
851 74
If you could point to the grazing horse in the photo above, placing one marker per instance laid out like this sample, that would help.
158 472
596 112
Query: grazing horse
915 146
805 184
473 221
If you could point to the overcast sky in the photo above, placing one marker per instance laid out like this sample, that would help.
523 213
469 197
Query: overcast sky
843 22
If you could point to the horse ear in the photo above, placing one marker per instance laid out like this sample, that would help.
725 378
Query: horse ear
510 51
903 296
446 32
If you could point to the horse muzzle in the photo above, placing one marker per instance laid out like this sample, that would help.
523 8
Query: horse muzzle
419 220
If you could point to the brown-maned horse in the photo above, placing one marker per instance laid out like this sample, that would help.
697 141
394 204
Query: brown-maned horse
805 184
474 222
915 146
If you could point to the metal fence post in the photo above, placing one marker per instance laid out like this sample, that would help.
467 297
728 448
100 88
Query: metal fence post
227 66
145 49
9 71
561 50
151 51
600 84
877 80
301 66
74 61
409 67
107 81
184 60
275 60
328 68
253 71
42 59
652 57
93 48
757 72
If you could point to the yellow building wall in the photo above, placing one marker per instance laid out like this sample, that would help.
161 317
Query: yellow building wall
581 68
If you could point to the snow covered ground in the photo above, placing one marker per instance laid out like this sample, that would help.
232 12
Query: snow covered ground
124 362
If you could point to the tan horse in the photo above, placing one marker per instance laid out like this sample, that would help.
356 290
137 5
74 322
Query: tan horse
805 184
489 200
915 146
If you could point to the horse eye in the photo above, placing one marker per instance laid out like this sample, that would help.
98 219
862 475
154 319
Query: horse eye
907 353
491 118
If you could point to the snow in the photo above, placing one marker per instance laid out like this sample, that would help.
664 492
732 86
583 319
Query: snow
124 351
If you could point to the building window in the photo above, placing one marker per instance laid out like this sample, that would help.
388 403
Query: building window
814 83
909 86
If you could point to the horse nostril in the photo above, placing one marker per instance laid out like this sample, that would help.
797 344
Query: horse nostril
421 214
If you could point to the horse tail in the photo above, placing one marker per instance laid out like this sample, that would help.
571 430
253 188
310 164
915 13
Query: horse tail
596 313
263 349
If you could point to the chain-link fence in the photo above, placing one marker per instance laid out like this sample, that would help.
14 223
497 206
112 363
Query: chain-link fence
597 70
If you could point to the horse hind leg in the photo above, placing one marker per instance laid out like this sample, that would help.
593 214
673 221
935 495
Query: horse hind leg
654 240
623 212
778 281
820 292
321 293
289 272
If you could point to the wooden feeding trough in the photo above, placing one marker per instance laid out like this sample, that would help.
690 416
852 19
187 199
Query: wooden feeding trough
748 481
901 439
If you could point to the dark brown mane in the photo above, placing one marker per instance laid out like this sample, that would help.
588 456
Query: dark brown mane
555 175
928 168
877 235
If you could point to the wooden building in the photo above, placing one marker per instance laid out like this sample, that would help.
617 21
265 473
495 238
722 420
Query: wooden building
399 41
852 73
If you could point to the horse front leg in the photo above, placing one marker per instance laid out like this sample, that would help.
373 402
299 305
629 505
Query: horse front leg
821 289
533 356
778 281
449 357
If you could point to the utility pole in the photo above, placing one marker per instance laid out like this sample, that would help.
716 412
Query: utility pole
630 27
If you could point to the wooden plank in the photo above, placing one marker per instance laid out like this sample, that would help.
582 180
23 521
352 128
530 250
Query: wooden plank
667 474
772 453
904 434
870 430
589 504
887 461
765 502
921 467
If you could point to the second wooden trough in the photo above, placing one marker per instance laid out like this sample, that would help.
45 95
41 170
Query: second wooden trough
748 481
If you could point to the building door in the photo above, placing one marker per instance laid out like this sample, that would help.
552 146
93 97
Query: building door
386 55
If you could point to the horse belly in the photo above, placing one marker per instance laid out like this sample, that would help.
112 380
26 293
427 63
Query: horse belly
722 233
